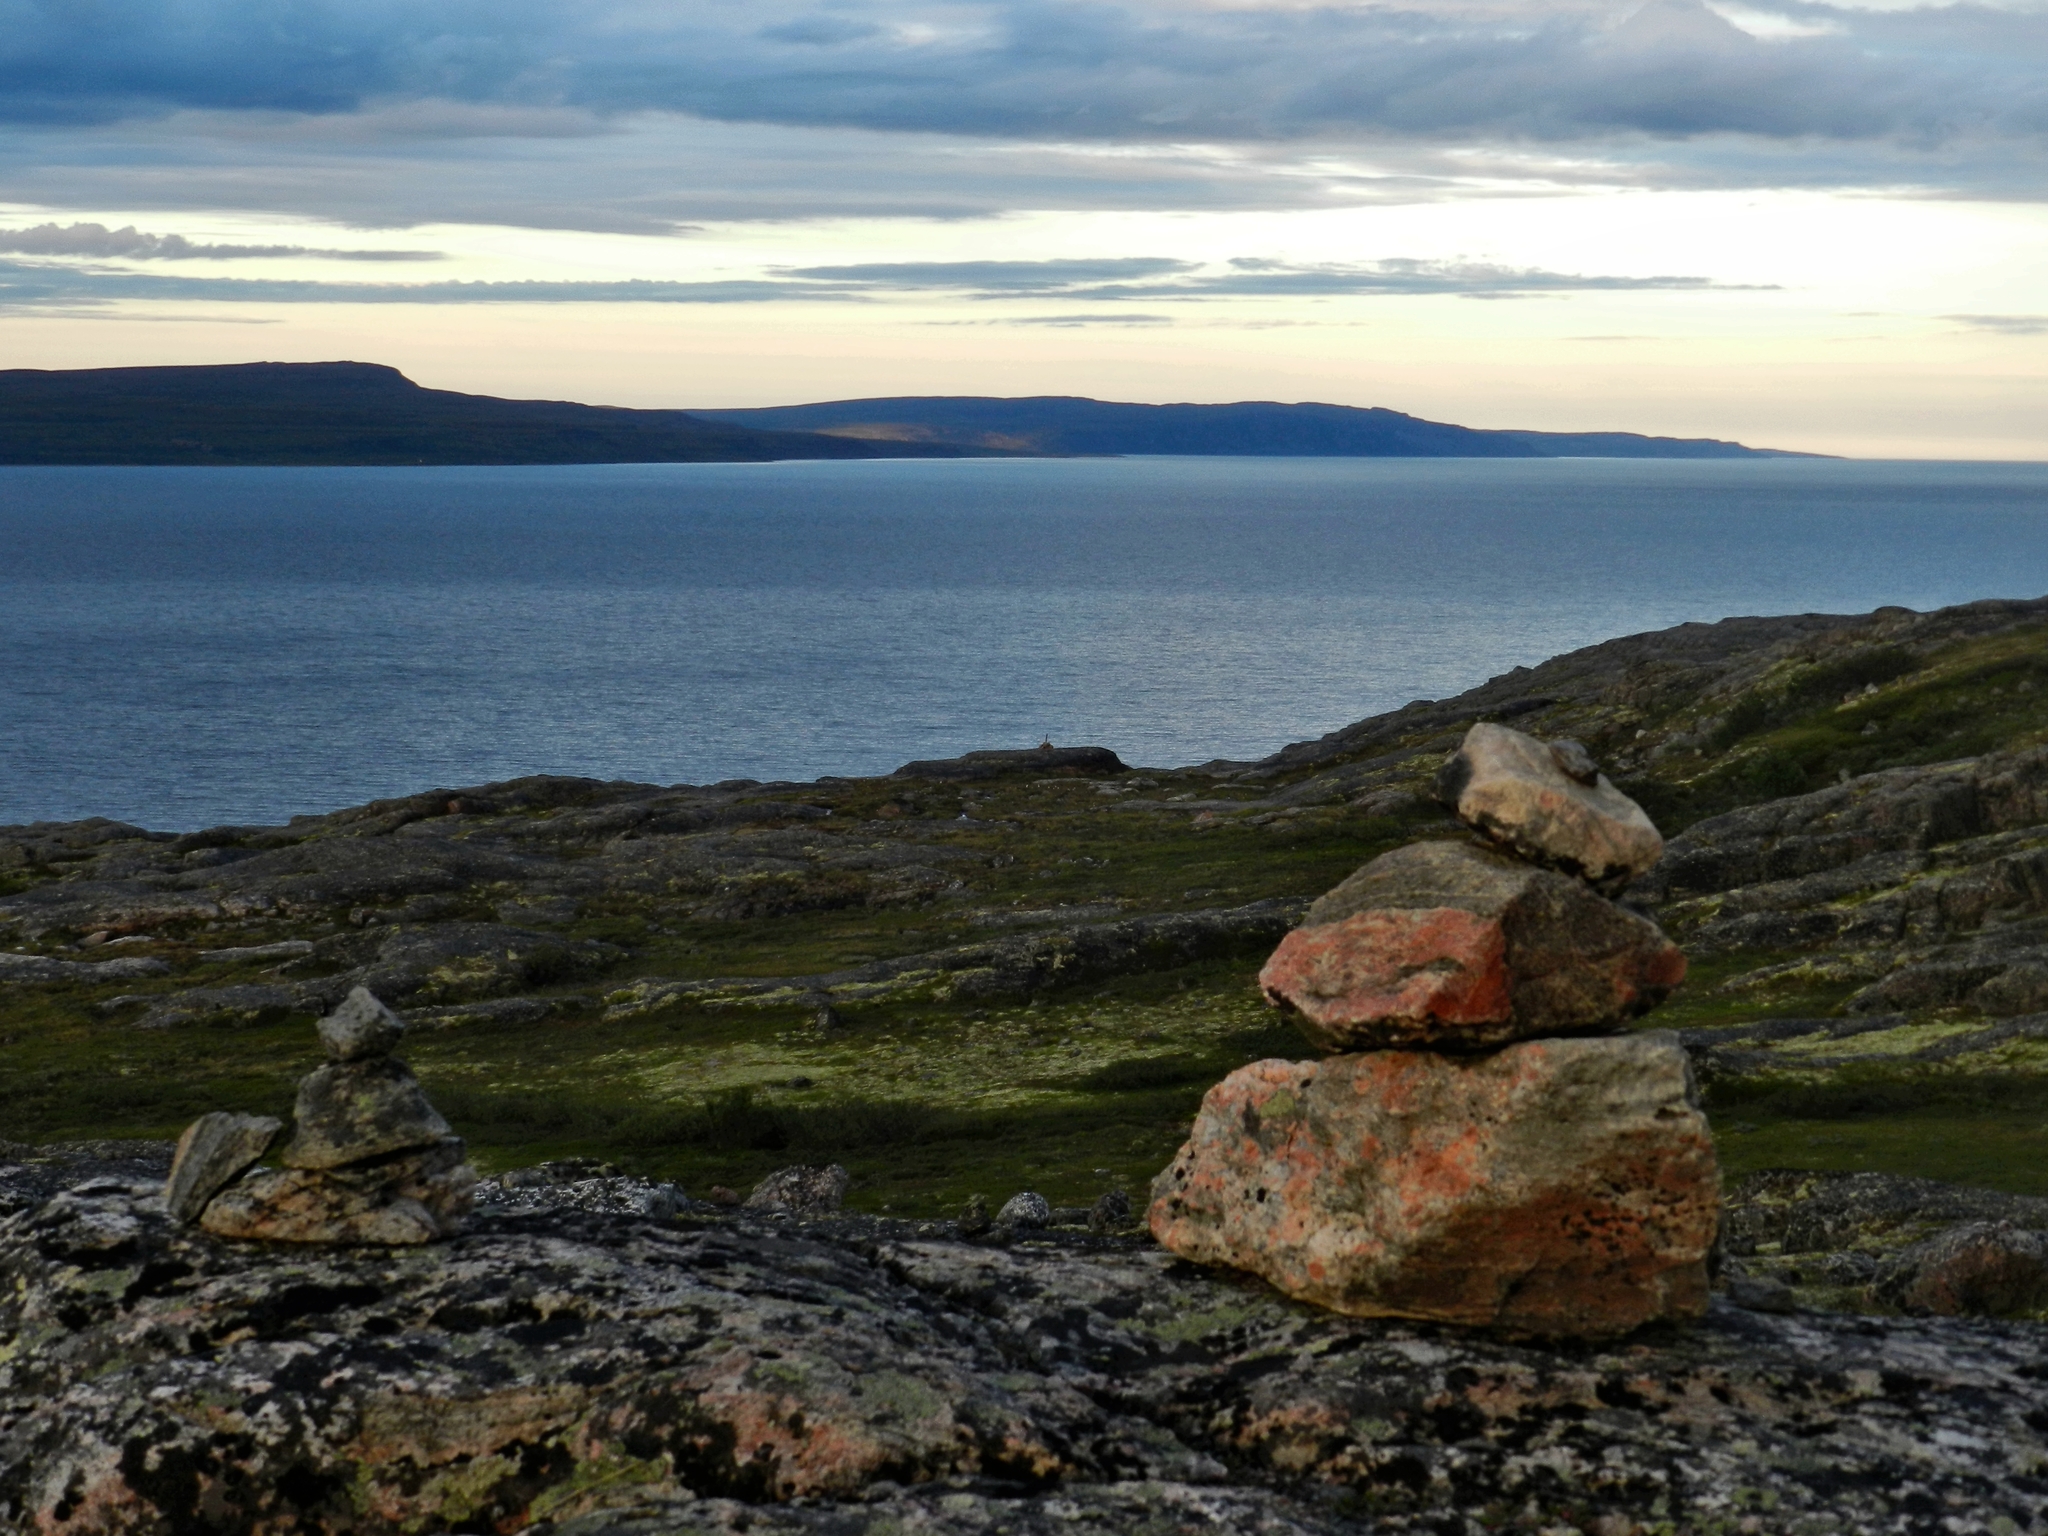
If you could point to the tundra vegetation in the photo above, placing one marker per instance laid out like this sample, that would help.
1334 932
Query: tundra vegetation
979 977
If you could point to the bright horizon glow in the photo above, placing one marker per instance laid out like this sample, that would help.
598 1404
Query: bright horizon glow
1795 225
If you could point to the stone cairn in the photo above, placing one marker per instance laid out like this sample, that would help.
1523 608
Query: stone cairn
1481 1144
368 1161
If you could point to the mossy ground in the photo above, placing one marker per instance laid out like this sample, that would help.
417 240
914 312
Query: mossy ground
1085 1088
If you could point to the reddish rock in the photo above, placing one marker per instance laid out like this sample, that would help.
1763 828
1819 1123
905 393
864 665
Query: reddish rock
1455 946
1979 1269
1554 1188
1549 803
398 1202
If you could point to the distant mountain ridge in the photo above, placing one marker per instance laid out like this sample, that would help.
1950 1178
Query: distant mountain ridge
366 413
361 413
1069 424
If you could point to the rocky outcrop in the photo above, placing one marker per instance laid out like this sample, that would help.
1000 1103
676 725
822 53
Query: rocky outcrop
560 1369
1547 802
1559 1187
1455 947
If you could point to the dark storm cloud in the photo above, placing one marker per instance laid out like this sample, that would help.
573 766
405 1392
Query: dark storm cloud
137 245
1061 69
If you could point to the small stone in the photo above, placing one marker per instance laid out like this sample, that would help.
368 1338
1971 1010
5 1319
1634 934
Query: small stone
1453 946
1978 1269
802 1191
1549 803
405 1201
354 1111
974 1218
361 1028
718 1194
1555 1188
1025 1210
1110 1213
215 1150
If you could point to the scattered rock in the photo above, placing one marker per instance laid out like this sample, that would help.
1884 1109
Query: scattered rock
353 1111
1979 1269
1762 1294
1027 1211
360 1028
1557 1187
974 1220
43 968
397 1202
1110 1213
802 1191
1449 945
1548 802
284 949
719 1195
215 1150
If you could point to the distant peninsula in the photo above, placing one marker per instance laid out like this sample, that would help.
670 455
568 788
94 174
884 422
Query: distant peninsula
365 413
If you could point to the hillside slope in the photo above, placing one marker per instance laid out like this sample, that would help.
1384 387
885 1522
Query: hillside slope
358 413
1063 424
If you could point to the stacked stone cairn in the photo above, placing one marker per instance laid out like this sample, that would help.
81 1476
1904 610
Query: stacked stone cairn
368 1161
1482 1143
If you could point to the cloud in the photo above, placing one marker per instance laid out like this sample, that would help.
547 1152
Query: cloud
2004 325
1148 278
133 244
1093 70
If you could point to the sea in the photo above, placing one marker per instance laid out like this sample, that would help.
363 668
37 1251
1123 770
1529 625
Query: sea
182 648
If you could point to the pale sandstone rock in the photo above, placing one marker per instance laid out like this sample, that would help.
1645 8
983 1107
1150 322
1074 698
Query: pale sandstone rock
1549 803
1555 1188
354 1111
361 1028
215 1150
400 1202
1451 945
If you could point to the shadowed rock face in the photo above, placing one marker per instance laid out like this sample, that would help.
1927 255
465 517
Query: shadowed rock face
1560 1187
1447 945
613 1374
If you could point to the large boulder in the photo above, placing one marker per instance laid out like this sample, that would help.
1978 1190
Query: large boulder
1549 803
1554 1188
1450 945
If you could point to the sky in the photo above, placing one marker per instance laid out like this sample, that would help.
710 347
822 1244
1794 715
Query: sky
1800 225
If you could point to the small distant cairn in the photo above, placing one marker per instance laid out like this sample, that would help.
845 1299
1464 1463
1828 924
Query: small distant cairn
368 1161
1481 1144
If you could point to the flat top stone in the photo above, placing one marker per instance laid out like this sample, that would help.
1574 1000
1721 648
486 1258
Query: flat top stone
1549 802
1454 873
362 1027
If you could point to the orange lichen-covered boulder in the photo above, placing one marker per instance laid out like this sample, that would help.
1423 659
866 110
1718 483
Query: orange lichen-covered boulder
1450 945
1562 1188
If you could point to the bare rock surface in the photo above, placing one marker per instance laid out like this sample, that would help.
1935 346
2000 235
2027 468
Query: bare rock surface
1557 1187
1451 945
215 1150
618 1376
1547 802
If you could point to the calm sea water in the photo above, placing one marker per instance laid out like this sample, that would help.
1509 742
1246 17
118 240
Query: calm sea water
185 647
